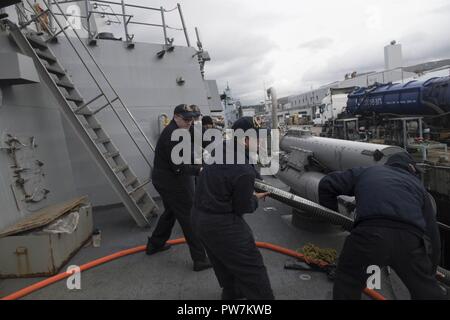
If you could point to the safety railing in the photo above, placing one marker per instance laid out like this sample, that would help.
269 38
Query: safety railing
128 19
104 8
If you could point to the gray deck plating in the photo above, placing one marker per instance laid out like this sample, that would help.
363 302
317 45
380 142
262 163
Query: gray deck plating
169 275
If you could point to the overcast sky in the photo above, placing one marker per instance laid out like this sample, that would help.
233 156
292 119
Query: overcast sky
294 45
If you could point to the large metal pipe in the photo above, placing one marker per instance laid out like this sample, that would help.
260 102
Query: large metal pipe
333 154
337 154
305 184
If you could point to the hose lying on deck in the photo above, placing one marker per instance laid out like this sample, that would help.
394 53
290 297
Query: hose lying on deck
37 286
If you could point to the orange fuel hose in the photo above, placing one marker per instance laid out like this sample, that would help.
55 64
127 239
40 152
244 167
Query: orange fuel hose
37 286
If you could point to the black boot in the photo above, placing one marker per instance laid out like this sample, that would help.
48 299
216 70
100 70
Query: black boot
202 265
151 249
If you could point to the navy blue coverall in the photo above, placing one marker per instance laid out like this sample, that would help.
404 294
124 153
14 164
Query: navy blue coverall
224 193
395 226
175 184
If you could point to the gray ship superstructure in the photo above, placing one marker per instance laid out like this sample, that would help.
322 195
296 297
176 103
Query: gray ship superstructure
67 99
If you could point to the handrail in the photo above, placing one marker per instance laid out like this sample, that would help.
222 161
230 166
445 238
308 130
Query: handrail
105 12
109 102
108 2
123 7
184 25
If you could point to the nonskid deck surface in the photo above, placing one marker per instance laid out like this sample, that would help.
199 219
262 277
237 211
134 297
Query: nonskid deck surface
169 275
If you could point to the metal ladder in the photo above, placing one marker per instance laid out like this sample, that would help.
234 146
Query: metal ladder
76 110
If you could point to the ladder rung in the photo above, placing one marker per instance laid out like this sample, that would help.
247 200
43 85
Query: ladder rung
94 126
46 55
53 37
112 154
138 194
73 98
36 42
120 168
83 112
87 103
55 70
65 84
128 182
102 140
106 105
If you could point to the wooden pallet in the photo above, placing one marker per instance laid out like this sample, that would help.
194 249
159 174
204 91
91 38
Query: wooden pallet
43 216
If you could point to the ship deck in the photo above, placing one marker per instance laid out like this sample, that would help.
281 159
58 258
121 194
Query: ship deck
168 275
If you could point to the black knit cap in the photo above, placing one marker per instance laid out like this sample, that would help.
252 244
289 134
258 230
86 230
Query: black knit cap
184 111
402 159
244 123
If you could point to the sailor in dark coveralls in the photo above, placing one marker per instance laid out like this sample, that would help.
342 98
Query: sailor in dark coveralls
224 193
175 185
395 226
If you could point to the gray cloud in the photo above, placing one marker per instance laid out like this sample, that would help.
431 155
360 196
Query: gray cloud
425 47
241 77
252 42
242 62
317 44
417 47
445 9
238 47
335 67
